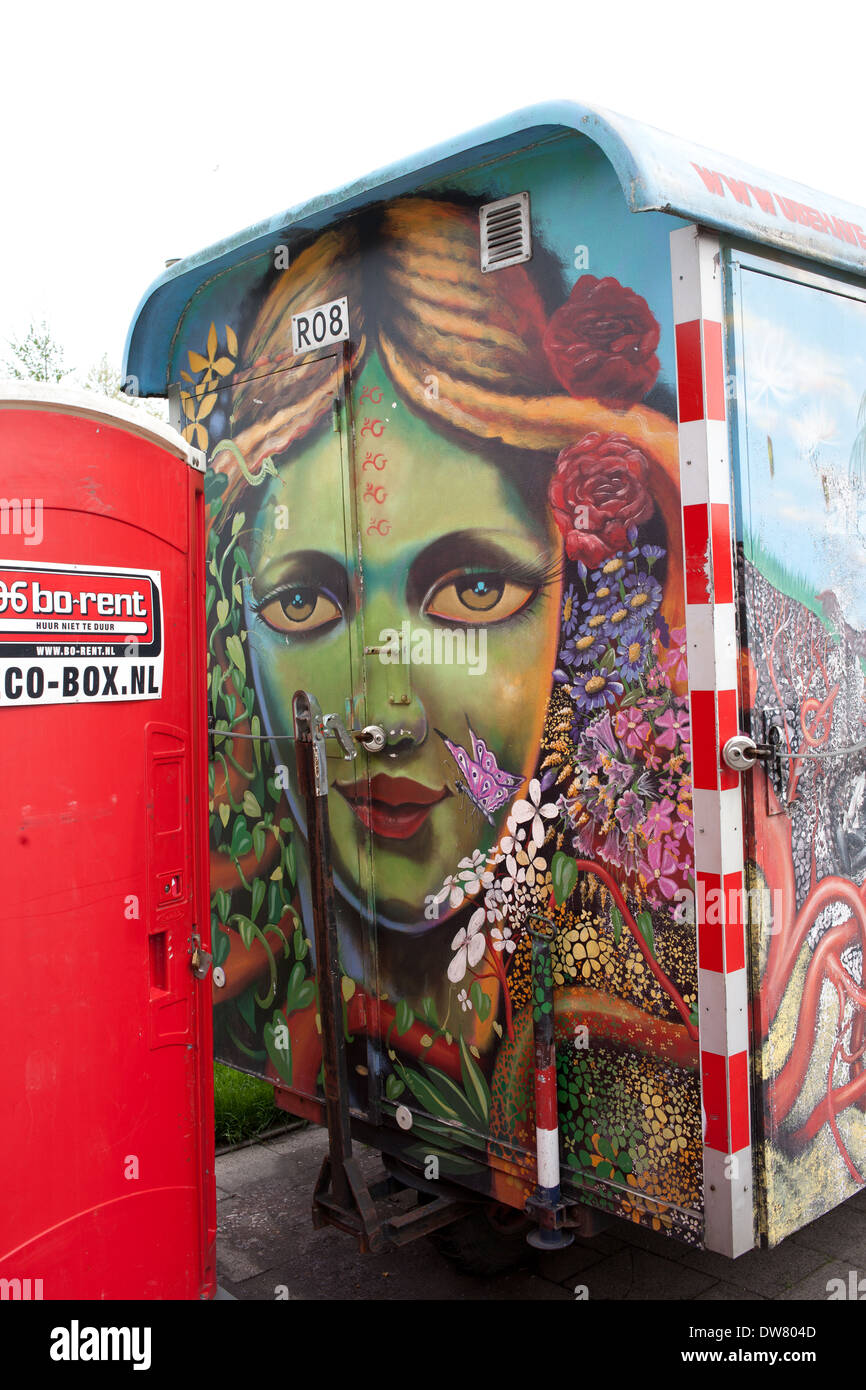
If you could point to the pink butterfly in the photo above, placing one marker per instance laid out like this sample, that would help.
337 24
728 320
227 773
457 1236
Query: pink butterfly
486 785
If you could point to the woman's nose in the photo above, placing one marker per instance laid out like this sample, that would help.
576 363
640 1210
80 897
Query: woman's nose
391 701
405 728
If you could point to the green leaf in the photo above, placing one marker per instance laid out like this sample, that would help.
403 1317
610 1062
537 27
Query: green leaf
247 1007
296 979
235 652
259 841
631 699
243 560
474 1084
449 1137
246 929
210 595
223 904
222 610
405 1017
305 995
241 839
645 924
563 871
452 1095
276 1031
480 1001
617 923
394 1087
299 943
427 1095
221 946
215 483
289 861
237 523
259 891
255 730
608 660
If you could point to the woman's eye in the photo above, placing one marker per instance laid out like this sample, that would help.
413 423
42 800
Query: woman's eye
298 609
479 598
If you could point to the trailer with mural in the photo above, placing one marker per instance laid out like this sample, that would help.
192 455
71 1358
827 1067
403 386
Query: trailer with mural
536 482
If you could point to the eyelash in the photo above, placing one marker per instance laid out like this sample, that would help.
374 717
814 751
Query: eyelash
538 579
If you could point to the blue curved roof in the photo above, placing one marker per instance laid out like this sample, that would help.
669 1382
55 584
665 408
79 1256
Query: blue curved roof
657 171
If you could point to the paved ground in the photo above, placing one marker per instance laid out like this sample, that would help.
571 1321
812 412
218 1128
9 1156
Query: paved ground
267 1248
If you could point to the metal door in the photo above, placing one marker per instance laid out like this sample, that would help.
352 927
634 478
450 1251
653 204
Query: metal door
797 343
286 613
107 1084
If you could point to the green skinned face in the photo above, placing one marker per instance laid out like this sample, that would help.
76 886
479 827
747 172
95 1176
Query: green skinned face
449 549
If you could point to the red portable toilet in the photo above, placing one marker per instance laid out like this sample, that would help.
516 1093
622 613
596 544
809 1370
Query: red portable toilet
107 1161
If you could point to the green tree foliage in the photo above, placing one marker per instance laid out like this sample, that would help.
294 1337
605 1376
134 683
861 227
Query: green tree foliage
36 356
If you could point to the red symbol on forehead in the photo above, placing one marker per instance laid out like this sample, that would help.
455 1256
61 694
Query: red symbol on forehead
378 461
381 527
376 494
373 394
374 427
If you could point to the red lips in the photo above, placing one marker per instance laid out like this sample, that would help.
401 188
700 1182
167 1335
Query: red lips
393 807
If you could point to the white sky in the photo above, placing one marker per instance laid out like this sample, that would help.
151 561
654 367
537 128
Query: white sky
131 134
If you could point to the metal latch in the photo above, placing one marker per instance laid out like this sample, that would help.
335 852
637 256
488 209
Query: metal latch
742 752
200 960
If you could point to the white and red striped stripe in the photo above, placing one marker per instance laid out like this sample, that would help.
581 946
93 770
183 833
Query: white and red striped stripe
705 473
547 1130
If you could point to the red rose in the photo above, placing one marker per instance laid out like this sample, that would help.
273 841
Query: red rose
597 492
602 343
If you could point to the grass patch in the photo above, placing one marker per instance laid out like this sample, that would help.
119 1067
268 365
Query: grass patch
243 1106
781 576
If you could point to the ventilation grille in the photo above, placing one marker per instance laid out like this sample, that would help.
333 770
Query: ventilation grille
505 235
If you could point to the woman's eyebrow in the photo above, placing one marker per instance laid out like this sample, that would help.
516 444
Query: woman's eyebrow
479 549
311 568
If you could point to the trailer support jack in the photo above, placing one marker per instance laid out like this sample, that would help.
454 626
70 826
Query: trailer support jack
342 1196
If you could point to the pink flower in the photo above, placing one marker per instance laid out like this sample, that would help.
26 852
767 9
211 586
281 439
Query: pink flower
630 811
658 818
658 871
631 727
675 660
675 724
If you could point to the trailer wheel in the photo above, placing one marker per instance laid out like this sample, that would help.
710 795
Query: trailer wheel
488 1241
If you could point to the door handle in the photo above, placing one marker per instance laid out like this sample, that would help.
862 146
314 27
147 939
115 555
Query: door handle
335 728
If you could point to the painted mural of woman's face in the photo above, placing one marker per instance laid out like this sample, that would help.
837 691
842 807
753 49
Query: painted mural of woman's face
461 561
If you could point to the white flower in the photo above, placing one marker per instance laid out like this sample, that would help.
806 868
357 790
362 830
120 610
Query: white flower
495 904
502 940
532 810
513 844
469 945
464 1001
473 874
